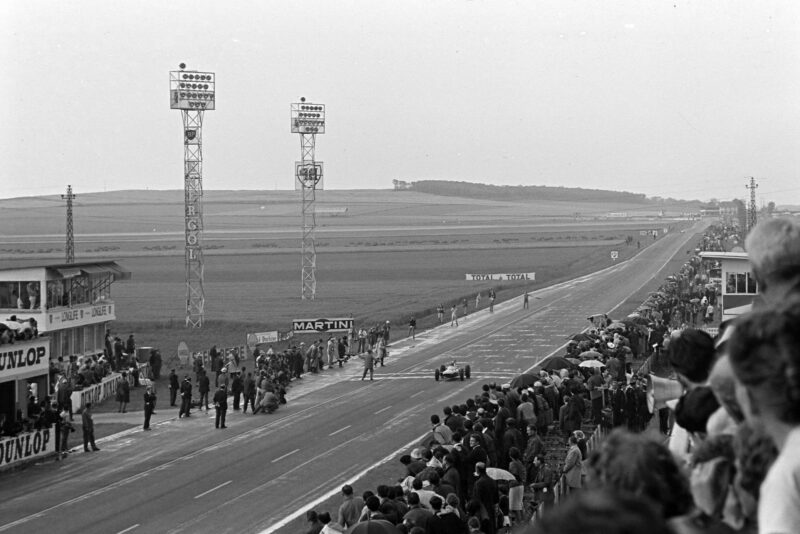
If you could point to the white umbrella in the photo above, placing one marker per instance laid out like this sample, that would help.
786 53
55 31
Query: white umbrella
499 474
591 363
12 325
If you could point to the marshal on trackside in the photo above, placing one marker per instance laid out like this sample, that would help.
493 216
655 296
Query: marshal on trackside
310 326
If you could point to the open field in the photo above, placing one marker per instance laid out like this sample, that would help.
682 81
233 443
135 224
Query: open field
394 254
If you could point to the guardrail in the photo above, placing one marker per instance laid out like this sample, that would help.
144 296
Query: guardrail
560 488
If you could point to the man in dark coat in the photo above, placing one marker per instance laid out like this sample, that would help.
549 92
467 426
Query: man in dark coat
203 387
237 387
174 386
149 405
485 491
88 428
511 438
186 397
249 390
221 404
476 455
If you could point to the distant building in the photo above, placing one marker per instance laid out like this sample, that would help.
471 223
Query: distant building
739 288
72 308
709 210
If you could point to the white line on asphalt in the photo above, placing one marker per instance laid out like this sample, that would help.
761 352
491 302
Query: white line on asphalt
417 393
340 430
285 455
213 489
128 529
382 410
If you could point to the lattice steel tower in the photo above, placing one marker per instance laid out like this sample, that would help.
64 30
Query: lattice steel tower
752 215
70 244
192 92
308 120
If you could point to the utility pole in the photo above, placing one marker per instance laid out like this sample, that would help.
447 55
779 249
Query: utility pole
752 218
70 245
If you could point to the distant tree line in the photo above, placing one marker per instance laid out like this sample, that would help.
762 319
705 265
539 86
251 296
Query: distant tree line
519 192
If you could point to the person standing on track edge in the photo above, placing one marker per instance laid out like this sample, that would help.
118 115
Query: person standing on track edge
88 428
453 316
492 296
412 328
369 364
149 405
525 300
173 387
221 404
186 397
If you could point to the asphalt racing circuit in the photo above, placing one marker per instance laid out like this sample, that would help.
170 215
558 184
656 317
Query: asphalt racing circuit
263 471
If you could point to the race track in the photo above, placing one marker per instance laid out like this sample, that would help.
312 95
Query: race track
259 473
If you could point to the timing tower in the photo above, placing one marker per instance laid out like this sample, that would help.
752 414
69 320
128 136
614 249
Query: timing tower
193 93
308 120
70 244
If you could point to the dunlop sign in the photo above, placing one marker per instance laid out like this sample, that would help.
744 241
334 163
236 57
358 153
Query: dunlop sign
308 326
501 277
28 360
25 446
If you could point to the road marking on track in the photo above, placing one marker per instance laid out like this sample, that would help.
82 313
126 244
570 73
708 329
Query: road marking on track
213 489
382 410
340 430
128 529
285 455
417 393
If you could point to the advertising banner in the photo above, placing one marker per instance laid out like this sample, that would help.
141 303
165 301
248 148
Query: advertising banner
84 315
24 359
501 277
26 446
310 326
96 392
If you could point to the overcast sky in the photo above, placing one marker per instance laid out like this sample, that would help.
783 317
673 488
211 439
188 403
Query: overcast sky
678 99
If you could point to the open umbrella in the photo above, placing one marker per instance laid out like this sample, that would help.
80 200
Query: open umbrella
374 526
616 325
589 355
524 380
12 325
694 301
576 361
554 364
499 474
592 363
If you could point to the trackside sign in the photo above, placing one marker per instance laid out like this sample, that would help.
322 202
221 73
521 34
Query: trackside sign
307 326
25 446
501 276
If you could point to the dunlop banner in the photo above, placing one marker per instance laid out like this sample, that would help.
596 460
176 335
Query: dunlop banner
26 446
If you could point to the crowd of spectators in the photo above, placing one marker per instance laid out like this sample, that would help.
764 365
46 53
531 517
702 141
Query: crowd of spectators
726 460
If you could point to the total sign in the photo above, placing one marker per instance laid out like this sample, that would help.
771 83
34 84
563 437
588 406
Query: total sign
501 277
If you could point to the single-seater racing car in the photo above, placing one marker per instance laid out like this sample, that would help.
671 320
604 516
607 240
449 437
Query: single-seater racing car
452 372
